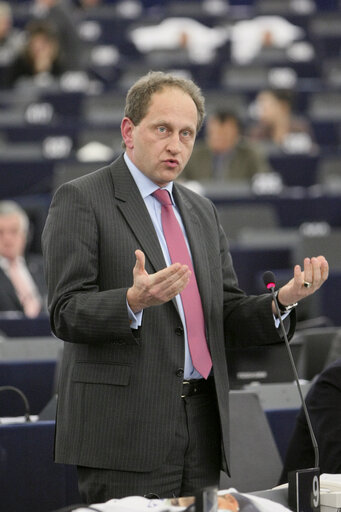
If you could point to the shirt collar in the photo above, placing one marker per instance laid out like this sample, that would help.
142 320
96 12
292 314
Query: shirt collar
145 185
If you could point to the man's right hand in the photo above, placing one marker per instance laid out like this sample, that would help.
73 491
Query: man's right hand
155 289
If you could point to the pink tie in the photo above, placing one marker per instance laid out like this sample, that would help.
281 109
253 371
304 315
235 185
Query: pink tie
190 296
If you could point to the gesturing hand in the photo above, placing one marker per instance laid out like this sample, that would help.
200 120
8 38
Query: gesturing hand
154 289
306 281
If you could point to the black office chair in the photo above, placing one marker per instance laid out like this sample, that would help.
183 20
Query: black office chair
317 343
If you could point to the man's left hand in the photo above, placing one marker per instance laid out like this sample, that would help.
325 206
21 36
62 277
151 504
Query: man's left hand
305 282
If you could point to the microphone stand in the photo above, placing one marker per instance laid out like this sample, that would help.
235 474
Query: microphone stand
304 484
307 417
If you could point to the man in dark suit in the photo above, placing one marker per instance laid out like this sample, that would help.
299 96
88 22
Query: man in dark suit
21 279
134 412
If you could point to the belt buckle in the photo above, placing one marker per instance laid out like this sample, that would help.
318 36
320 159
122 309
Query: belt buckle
183 383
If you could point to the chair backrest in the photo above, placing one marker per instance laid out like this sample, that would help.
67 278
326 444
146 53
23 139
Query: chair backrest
316 346
260 365
255 462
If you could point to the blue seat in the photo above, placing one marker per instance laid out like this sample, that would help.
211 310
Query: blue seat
295 170
327 133
250 263
25 177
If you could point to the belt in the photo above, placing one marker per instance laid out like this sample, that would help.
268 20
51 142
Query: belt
197 387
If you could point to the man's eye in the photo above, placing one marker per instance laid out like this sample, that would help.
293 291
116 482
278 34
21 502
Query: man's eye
186 133
162 129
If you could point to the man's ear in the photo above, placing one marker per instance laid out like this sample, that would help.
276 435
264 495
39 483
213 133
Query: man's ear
127 128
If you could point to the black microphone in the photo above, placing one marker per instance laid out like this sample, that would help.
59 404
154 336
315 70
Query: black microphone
304 486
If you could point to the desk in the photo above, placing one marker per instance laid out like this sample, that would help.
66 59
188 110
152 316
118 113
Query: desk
36 379
29 479
293 206
20 326
30 348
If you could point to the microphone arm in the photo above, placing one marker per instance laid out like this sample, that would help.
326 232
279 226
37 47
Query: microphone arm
22 395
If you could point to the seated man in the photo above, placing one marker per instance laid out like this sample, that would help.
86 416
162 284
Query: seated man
21 282
224 155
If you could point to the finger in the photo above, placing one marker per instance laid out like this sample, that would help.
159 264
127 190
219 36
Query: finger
140 261
316 266
325 270
321 259
298 276
324 267
175 283
308 270
180 283
169 282
170 274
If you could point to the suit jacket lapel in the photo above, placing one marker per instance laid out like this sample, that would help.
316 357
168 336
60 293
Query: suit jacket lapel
133 208
196 238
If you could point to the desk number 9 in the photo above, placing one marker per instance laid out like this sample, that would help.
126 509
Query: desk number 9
316 492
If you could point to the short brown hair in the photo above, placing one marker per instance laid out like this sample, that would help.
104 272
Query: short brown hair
139 95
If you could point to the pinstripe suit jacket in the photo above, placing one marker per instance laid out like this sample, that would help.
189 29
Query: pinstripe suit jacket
119 388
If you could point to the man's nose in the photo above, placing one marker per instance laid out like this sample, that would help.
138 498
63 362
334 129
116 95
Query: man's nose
174 143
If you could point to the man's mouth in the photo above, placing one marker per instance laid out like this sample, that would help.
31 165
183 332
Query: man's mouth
172 162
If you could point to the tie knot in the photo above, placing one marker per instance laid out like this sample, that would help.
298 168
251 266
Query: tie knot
162 196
